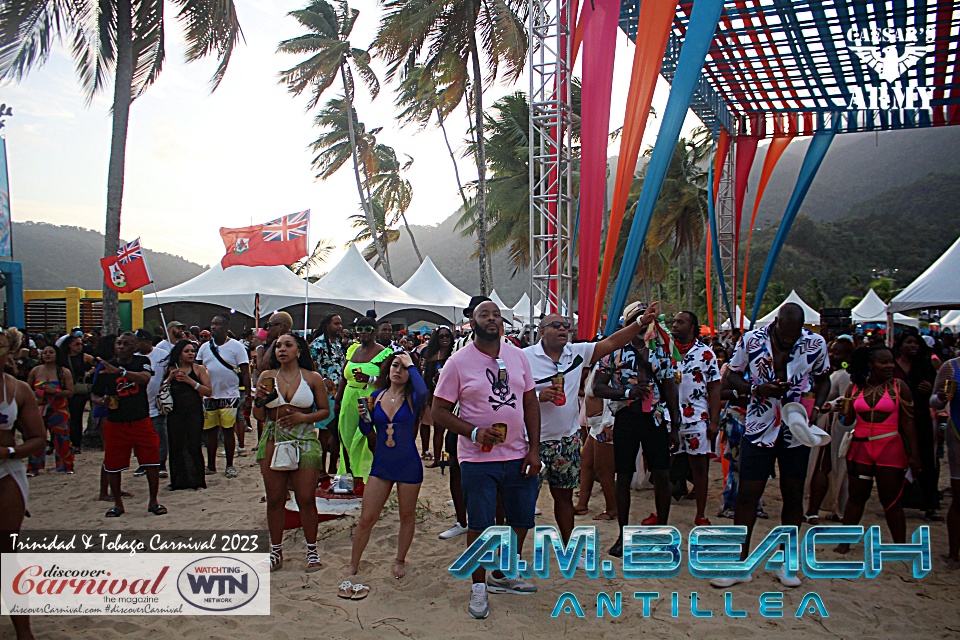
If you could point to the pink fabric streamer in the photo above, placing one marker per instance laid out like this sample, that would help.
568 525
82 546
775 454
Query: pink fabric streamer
746 151
599 47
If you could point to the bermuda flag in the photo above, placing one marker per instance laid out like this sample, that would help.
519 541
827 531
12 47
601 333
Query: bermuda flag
278 242
127 271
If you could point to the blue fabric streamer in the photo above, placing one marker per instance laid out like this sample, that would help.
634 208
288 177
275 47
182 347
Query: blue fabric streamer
704 18
808 171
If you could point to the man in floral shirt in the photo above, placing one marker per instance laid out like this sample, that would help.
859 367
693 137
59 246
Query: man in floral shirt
328 354
772 366
640 383
699 404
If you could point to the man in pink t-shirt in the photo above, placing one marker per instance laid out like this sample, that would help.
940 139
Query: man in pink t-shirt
493 385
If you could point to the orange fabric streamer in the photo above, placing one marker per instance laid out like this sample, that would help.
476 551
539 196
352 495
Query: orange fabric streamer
721 156
577 32
781 140
655 21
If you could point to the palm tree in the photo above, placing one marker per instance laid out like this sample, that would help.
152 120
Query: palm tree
443 36
420 97
392 189
321 251
344 138
387 234
332 56
682 205
119 38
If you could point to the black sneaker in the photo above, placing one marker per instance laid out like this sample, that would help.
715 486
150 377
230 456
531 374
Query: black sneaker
617 549
141 471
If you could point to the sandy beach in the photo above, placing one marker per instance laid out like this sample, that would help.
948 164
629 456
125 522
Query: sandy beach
430 603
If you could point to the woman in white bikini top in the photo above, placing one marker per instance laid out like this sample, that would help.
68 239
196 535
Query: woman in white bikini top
18 408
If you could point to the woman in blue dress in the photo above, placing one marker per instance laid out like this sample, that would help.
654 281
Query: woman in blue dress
392 437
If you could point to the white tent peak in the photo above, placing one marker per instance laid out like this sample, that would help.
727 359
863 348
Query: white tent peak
427 283
353 274
810 315
873 309
936 288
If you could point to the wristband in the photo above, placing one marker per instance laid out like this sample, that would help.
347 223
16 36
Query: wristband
473 435
640 324
11 452
196 386
626 395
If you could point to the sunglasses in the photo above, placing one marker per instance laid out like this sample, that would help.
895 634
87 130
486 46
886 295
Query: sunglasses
365 329
556 324
274 324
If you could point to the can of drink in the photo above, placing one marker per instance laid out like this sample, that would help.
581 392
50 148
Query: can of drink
561 398
950 389
113 402
846 403
499 427
269 385
363 406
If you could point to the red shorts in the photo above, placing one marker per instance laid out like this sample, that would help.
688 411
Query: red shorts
120 437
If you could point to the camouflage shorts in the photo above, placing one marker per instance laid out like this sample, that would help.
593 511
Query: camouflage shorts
562 460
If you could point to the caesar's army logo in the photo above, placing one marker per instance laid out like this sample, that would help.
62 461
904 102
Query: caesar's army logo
890 54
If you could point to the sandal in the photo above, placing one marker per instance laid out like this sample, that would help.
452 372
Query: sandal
813 520
276 557
605 515
581 512
426 455
313 558
115 512
932 516
359 592
158 510
345 590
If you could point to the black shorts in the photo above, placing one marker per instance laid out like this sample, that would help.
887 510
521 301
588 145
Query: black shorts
630 431
450 445
756 462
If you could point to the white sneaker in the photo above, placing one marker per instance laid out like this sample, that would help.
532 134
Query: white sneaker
788 581
241 452
516 586
449 503
537 511
453 532
722 583
479 607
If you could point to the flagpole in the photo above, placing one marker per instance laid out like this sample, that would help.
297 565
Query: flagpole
159 306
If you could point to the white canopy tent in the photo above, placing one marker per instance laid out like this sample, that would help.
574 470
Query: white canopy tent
505 310
936 288
237 288
354 279
810 315
873 309
951 321
738 313
427 283
521 310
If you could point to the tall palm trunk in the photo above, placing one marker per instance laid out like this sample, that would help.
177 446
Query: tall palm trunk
367 211
412 239
122 97
379 240
481 158
453 159
690 281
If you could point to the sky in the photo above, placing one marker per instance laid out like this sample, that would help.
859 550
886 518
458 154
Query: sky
197 161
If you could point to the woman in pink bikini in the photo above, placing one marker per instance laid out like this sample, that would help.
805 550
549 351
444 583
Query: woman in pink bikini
883 409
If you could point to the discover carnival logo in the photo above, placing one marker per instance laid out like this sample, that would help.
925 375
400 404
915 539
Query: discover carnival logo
890 53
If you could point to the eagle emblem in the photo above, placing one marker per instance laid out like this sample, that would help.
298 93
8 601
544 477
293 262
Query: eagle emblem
887 62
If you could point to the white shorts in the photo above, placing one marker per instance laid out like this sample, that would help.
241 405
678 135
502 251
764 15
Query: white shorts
693 439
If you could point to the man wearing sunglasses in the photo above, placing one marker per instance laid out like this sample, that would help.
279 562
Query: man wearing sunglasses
557 367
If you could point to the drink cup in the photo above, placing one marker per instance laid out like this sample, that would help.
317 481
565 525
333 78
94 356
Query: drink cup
950 389
846 404
561 398
270 385
364 408
499 427
113 402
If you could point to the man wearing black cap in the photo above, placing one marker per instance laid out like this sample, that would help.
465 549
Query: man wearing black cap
158 362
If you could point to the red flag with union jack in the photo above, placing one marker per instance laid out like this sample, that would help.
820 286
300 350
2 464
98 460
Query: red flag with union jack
278 242
127 271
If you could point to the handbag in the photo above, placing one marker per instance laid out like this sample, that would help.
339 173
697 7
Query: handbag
845 442
164 398
286 456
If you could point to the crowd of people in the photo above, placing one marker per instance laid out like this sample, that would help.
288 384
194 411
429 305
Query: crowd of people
650 405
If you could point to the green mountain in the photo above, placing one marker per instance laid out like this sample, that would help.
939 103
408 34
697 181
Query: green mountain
897 233
42 247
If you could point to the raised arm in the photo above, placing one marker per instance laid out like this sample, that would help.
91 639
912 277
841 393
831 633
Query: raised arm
630 331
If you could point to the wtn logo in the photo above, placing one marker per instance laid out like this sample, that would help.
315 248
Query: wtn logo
225 584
